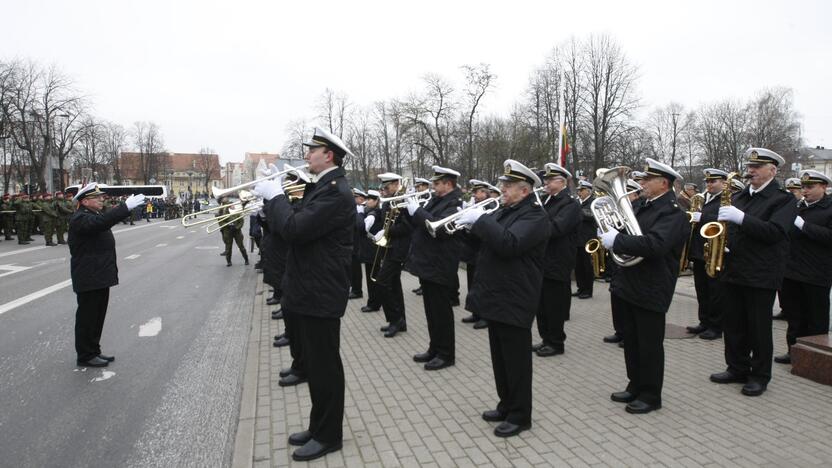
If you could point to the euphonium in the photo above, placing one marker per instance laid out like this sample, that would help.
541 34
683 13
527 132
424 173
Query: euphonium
614 210
596 250
696 203
716 235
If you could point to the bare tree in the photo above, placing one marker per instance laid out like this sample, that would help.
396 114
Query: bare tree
568 57
207 165
333 108
478 80
114 140
150 145
432 113
90 152
666 125
293 146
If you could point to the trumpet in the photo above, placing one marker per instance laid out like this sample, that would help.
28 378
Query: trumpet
300 171
400 201
448 223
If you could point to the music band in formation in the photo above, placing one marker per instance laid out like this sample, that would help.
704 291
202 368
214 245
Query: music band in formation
744 237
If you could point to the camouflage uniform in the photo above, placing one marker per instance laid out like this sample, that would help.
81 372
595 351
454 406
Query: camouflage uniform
23 219
65 208
233 233
48 218
6 219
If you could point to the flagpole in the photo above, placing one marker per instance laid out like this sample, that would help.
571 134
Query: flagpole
561 156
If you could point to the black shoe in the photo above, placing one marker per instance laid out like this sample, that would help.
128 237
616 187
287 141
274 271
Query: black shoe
314 449
470 319
577 293
228 263
94 362
424 357
455 302
300 438
507 429
282 335
535 347
438 363
623 397
614 338
783 359
223 254
393 329
61 242
493 416
640 407
354 295
753 388
277 315
367 308
281 342
481 324
710 334
291 380
23 242
585 296
107 358
246 261
697 329
384 328
417 291
50 244
779 316
728 377
286 372
547 350
273 300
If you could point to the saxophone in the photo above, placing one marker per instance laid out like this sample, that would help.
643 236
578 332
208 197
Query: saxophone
716 235
696 203
598 253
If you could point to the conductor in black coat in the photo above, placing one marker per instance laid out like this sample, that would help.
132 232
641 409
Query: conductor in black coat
564 217
509 272
317 282
641 293
759 221
805 291
708 290
435 261
93 268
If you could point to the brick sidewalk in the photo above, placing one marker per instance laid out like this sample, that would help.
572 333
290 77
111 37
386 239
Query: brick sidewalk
398 414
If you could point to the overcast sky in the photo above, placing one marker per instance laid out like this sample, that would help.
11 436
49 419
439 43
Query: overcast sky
230 75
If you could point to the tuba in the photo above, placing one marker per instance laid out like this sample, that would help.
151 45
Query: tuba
614 209
716 235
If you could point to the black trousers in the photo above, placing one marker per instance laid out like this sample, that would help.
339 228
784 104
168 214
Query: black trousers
746 323
355 275
89 322
389 280
456 289
291 329
320 342
470 271
617 317
643 350
553 310
709 296
807 309
511 359
439 314
584 276
372 288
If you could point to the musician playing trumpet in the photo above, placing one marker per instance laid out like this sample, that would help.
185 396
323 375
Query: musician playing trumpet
641 293
509 272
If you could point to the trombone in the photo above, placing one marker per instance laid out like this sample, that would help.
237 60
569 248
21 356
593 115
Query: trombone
448 223
300 171
187 220
242 210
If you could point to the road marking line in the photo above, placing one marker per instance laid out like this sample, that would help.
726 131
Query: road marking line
192 232
27 249
206 247
11 269
132 257
105 374
161 245
151 328
31 297
180 237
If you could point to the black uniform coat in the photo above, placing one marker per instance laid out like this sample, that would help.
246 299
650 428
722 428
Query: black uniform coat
366 247
399 233
320 236
470 247
92 248
810 256
758 249
273 249
510 265
650 283
564 215
435 259
710 211
589 228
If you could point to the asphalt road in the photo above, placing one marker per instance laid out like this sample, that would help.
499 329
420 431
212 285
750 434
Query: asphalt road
177 323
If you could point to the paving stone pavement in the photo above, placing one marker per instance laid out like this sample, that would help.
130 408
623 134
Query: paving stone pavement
398 414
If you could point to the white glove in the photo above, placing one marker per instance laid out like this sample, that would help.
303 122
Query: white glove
134 201
273 169
377 237
608 238
359 208
412 206
470 217
799 222
368 222
732 214
696 216
268 189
